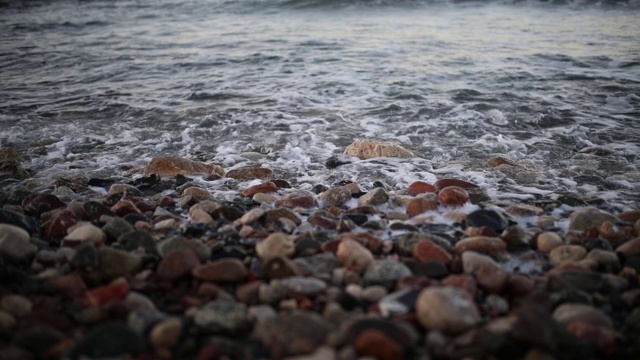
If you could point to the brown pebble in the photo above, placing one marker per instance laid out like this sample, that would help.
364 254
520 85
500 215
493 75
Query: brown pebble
267 187
221 271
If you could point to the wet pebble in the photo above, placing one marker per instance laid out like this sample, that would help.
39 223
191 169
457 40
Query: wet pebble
446 309
15 243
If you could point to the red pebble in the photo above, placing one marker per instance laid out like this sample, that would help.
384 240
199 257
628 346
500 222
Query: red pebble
444 183
375 343
429 251
603 338
420 187
453 196
124 207
464 281
59 223
260 188
116 290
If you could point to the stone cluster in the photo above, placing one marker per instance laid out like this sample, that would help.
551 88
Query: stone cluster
162 267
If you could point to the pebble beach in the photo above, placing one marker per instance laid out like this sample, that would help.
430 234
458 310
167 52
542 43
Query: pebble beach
188 260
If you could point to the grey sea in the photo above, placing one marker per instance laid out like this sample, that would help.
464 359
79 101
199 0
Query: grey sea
98 88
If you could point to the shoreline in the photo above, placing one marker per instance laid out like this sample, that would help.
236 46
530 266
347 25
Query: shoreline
346 271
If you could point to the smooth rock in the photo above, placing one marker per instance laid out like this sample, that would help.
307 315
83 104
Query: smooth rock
548 241
20 220
177 264
86 233
335 196
377 344
250 216
446 309
429 251
420 204
369 149
122 188
199 216
178 243
38 204
489 274
125 207
70 285
354 256
276 244
15 244
481 244
221 271
420 187
166 333
374 197
197 192
249 173
453 196
115 263
444 183
589 217
273 215
566 253
297 199
605 259
267 187
222 316
122 341
59 223
116 290
488 218
7 321
385 272
525 210
114 227
291 334
566 313
17 305
137 240
629 248
166 166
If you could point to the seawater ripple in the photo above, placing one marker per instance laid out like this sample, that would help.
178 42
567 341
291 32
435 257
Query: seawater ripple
100 87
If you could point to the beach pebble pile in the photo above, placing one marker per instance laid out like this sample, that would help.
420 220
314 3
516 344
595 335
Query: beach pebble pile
189 261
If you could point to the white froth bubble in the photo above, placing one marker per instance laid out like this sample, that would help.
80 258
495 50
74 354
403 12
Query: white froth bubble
496 117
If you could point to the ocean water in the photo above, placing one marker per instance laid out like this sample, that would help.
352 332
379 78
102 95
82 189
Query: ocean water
98 88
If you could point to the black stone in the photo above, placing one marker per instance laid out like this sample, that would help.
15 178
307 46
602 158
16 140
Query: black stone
103 183
41 203
136 239
19 220
380 184
108 340
307 247
37 338
85 257
489 218
181 180
347 301
358 219
134 218
600 244
335 161
430 269
146 181
589 281
317 189
94 210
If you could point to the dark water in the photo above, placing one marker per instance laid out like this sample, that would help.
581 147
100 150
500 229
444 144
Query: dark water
100 87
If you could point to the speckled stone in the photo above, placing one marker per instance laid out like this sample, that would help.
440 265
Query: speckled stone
446 309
